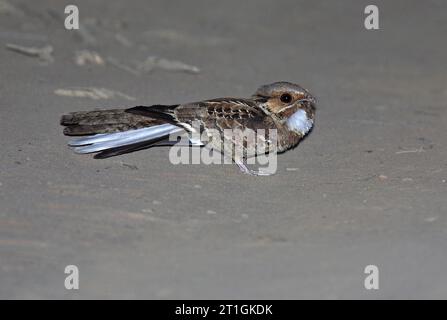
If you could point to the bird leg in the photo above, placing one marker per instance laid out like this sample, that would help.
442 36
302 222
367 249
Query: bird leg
243 167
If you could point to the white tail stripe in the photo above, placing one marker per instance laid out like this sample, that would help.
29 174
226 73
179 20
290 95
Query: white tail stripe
103 137
103 142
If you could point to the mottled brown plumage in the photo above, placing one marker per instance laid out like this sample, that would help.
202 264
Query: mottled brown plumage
282 106
104 121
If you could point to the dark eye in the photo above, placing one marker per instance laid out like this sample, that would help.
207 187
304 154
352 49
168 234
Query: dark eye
286 98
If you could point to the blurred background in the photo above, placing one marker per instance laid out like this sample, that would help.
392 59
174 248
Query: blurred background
367 187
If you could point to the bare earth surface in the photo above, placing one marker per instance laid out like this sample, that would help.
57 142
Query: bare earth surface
368 186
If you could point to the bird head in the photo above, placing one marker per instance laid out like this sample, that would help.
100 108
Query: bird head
289 103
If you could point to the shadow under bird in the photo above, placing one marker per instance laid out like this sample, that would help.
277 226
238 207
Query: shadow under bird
282 106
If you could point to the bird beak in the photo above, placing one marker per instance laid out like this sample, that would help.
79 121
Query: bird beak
309 103
311 100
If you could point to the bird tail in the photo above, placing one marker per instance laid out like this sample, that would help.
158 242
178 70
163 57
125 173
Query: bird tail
113 132
103 121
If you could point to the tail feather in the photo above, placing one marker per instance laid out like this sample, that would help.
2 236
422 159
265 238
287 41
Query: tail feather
163 112
127 149
95 117
117 131
83 130
163 141
104 121
105 137
108 141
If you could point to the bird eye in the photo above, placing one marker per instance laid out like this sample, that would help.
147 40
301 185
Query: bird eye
286 98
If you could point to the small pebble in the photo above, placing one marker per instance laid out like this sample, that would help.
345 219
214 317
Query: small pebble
244 216
197 186
147 211
431 219
407 179
211 212
85 57
383 177
156 202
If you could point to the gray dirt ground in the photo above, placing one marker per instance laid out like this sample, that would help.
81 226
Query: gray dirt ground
368 186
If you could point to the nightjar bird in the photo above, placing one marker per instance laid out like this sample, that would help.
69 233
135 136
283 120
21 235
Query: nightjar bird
282 106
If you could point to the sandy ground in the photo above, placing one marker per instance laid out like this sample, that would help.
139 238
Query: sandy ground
368 186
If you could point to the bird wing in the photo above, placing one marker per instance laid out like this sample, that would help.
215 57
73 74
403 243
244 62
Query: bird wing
222 113
211 116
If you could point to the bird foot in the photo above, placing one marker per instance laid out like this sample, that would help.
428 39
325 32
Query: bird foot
243 167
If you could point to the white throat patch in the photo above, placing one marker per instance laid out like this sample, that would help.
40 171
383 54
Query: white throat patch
300 122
